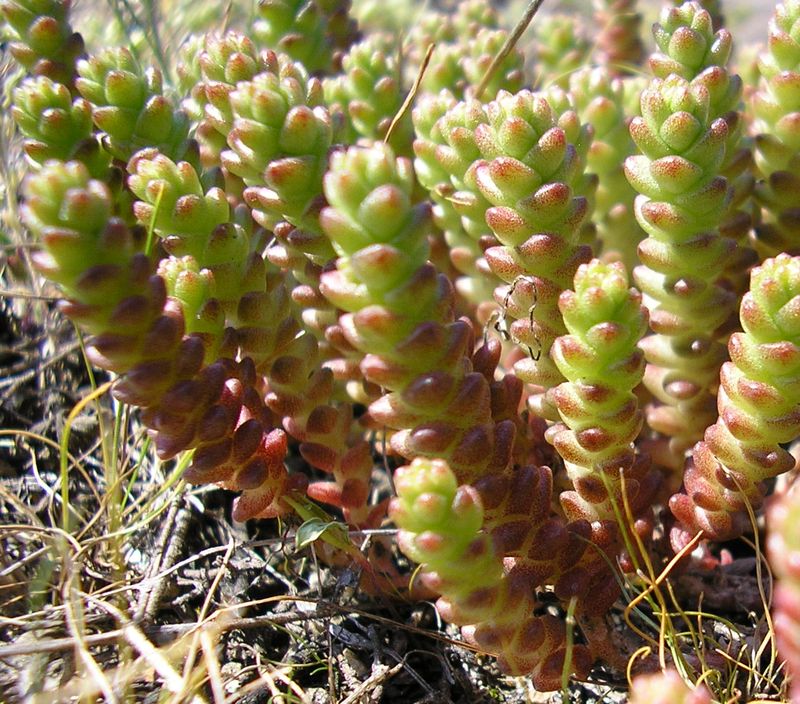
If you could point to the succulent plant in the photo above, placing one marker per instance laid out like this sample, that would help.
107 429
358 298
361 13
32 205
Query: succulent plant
440 526
196 222
777 136
279 142
473 16
42 38
528 173
446 152
310 31
278 145
56 126
302 393
190 77
129 105
602 365
682 202
195 225
694 47
758 408
369 93
460 66
667 688
687 42
619 42
561 46
782 550
600 102
400 314
290 305
714 9
168 348
223 62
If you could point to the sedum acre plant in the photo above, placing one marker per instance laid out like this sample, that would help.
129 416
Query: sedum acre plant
558 292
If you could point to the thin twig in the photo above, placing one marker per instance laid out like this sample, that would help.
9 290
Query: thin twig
411 94
510 43
169 545
169 632
16 293
379 675
76 624
163 634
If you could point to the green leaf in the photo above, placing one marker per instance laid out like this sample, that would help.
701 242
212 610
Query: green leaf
315 528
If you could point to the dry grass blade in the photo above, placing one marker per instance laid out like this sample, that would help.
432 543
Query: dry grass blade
509 44
409 99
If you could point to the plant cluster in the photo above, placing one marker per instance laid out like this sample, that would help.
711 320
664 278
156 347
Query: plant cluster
561 287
